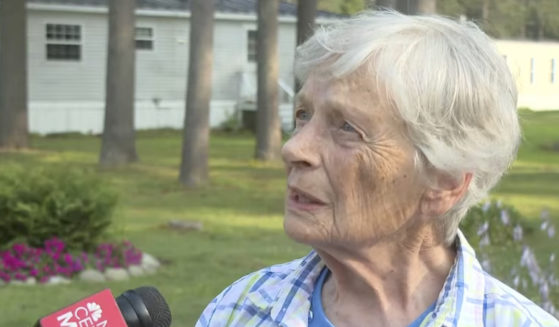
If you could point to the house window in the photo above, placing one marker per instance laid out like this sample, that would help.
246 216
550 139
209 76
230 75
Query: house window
553 71
63 42
251 46
144 38
532 70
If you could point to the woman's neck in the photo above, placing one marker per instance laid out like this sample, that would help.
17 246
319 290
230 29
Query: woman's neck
389 283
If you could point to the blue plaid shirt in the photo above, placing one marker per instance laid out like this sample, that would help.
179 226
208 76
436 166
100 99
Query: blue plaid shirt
280 296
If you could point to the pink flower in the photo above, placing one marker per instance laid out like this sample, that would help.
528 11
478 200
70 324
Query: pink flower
54 246
22 261
68 259
77 266
5 276
12 263
19 249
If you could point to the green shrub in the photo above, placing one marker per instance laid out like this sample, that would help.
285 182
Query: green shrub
495 221
232 123
43 203
496 232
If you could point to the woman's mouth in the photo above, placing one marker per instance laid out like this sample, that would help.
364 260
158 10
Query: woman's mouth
300 200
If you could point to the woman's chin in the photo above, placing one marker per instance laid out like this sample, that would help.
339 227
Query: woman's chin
300 229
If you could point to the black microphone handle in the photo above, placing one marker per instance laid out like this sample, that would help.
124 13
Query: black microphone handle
134 310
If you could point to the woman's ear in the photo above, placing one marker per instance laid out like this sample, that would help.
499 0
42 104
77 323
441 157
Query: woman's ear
446 192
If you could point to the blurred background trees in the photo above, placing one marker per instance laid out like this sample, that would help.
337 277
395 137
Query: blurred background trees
510 19
306 16
13 75
118 142
529 19
196 133
268 130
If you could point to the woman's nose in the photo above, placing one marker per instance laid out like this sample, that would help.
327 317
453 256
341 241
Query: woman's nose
302 149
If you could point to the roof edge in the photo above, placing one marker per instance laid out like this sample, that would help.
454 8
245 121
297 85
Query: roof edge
163 13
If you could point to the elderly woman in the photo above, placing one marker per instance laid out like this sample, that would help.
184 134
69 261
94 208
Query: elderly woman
402 124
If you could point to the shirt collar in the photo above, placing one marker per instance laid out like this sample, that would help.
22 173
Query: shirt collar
466 280
288 301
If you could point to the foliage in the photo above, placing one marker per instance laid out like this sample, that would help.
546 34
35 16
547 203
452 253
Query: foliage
492 227
232 123
111 255
21 262
38 204
532 19
349 7
495 221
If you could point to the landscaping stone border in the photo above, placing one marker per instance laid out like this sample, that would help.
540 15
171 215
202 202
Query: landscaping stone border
148 266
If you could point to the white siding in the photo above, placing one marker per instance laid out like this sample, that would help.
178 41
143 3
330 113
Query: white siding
69 95
87 117
161 72
51 80
530 64
286 49
230 48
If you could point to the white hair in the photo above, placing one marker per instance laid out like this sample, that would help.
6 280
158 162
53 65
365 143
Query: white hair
449 84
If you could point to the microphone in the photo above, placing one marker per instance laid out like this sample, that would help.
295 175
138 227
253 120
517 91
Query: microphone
140 307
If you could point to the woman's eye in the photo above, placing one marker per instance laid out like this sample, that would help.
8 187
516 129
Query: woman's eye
302 115
346 127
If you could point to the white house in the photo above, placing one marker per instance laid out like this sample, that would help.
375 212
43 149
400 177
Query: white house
535 68
67 49
67 46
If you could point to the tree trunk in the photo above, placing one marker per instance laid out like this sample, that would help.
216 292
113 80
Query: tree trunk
485 11
408 7
118 143
541 22
306 14
196 134
268 132
524 27
13 75
385 3
416 7
427 7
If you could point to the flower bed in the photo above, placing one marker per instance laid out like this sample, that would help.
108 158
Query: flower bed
22 262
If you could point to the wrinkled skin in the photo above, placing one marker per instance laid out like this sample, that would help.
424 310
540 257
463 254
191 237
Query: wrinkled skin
355 195
350 151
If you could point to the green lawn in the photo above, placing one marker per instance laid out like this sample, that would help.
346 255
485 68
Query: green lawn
241 211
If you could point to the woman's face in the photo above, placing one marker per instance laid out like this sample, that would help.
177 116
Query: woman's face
351 176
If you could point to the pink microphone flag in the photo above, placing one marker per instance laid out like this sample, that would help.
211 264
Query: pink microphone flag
97 310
